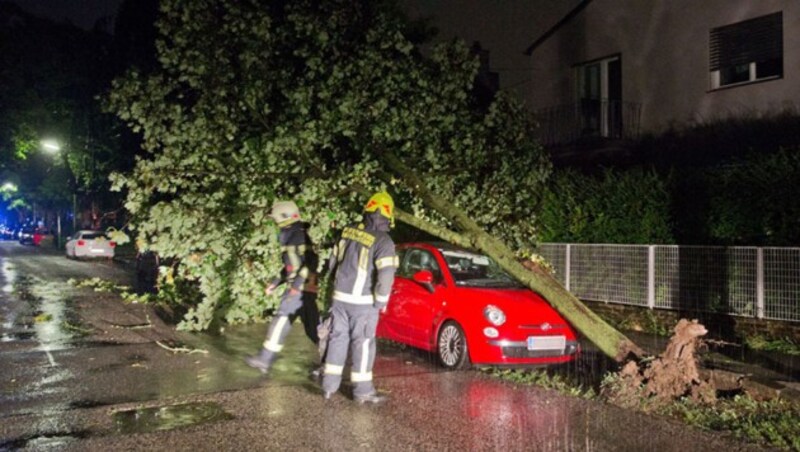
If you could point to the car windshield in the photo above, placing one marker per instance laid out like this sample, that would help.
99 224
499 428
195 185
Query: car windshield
476 270
92 235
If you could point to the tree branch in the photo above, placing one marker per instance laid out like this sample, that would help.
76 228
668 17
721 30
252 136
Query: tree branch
610 341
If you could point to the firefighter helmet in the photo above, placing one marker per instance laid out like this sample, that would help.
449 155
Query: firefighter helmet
285 213
383 203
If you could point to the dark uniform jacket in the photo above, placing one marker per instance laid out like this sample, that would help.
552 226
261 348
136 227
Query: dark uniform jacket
297 255
365 263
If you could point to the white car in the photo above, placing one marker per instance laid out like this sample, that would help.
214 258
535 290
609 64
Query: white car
90 244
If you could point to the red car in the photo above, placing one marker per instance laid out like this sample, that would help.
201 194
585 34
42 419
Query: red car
462 306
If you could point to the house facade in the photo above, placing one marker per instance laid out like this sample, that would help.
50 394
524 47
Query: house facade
615 69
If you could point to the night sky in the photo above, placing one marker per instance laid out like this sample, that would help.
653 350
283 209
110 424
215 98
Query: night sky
83 13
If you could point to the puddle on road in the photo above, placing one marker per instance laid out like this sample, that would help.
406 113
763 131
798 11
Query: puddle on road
293 365
22 288
10 276
49 441
147 420
127 361
46 315
19 336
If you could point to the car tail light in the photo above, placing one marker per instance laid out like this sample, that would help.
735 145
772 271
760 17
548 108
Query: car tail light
112 244
81 243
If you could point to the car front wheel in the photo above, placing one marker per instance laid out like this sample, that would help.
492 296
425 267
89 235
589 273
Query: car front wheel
452 346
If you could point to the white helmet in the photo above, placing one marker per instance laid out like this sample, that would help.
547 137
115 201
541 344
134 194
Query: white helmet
285 213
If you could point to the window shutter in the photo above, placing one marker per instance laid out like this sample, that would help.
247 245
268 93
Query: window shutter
753 40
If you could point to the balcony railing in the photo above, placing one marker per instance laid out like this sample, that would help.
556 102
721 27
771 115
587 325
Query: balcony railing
587 121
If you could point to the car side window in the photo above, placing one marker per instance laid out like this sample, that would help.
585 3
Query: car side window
415 260
401 258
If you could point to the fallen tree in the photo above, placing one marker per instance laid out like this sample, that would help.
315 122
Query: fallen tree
609 340
322 102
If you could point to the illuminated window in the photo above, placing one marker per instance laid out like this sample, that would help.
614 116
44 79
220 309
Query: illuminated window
747 51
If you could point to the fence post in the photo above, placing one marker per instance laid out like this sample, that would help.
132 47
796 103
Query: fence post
567 267
759 283
651 277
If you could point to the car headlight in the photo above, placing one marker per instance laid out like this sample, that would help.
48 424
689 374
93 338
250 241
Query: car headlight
494 315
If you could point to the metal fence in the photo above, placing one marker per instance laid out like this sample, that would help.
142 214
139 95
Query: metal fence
745 281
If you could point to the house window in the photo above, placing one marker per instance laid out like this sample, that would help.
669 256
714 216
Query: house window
747 51
600 97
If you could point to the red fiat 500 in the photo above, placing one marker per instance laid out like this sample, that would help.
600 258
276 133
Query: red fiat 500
465 308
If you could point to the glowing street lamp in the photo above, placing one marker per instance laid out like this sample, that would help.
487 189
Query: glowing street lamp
51 145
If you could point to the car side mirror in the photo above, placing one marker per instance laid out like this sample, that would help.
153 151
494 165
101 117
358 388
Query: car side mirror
425 279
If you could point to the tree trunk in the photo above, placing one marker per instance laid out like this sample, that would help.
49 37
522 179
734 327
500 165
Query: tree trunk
610 341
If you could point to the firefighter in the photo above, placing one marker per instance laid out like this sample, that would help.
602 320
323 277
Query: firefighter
299 262
364 262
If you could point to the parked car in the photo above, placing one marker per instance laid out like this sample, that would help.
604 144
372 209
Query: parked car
6 233
463 307
25 236
40 235
90 244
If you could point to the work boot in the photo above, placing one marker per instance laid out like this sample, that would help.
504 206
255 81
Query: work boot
316 374
372 397
260 361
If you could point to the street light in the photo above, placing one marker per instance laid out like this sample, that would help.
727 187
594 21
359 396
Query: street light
53 147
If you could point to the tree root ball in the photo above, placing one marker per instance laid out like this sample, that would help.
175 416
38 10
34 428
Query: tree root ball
670 376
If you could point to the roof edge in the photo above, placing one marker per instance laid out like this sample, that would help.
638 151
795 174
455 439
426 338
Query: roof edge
564 20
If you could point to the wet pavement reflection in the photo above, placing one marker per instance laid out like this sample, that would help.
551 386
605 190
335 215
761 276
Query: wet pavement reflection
115 388
144 420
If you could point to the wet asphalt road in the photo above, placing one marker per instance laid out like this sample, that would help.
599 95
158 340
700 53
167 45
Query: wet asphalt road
80 370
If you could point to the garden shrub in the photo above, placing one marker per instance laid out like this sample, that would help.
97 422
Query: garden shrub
756 200
617 206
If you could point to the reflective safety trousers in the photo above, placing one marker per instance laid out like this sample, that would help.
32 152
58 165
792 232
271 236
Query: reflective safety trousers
353 327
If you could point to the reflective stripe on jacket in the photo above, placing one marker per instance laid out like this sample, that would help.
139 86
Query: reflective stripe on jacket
365 263
296 254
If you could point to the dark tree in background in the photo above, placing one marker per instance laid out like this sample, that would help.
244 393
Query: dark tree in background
135 34
51 77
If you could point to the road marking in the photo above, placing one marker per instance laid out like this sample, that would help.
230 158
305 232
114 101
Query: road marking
50 358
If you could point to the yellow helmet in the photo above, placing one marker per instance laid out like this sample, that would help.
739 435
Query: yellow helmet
383 203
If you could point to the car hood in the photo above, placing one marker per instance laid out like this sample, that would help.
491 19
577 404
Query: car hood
521 306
